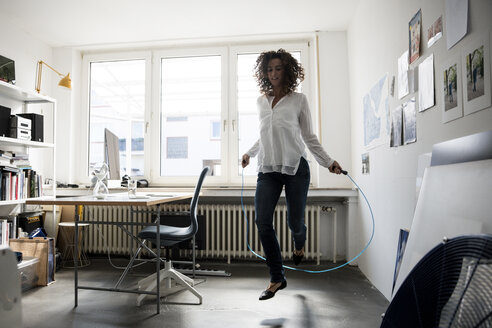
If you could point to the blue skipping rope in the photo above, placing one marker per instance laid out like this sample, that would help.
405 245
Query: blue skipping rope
303 270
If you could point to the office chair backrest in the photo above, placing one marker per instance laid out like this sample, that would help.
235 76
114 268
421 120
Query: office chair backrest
194 200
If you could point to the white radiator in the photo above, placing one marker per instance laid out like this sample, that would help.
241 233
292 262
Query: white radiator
225 231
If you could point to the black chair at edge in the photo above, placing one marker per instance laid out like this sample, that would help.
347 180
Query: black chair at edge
169 236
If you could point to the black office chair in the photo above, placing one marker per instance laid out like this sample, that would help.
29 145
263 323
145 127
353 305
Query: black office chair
170 236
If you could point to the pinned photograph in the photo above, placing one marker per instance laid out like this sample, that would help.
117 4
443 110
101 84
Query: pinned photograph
475 74
365 163
434 32
396 127
414 36
403 75
426 83
456 16
451 89
410 122
475 65
377 114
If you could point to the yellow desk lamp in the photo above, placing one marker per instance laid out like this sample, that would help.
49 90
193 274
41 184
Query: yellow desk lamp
64 82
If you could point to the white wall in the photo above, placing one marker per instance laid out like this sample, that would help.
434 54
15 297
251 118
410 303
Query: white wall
377 36
66 60
26 51
335 105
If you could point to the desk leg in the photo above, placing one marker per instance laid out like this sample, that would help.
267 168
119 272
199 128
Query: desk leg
76 237
158 260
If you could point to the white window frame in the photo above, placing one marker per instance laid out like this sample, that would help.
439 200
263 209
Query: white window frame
155 169
229 114
82 137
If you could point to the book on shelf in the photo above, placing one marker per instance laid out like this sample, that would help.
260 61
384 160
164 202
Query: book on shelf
17 184
4 233
4 161
7 155
12 225
20 160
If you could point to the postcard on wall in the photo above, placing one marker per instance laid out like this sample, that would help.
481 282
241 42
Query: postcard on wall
475 66
403 75
396 127
413 80
365 163
414 36
376 114
456 13
409 122
450 77
426 83
434 32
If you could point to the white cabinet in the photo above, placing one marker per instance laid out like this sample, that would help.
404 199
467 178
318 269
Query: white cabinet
11 94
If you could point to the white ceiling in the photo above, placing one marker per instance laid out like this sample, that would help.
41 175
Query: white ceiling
79 23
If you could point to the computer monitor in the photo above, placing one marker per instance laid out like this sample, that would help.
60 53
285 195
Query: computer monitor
112 154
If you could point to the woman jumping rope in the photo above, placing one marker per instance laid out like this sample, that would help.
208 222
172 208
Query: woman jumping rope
285 129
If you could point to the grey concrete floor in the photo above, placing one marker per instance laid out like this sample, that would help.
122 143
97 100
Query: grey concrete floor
341 298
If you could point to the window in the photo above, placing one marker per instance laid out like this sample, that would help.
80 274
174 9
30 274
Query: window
203 110
117 102
191 87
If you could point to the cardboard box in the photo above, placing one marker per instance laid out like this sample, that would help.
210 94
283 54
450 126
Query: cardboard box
44 250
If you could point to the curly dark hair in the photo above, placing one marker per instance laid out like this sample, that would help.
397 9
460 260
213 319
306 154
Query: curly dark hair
293 71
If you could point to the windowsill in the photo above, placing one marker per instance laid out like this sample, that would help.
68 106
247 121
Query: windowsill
211 191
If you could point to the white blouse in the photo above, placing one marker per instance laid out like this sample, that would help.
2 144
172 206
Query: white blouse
280 147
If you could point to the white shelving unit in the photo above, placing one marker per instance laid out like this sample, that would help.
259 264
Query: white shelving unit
26 98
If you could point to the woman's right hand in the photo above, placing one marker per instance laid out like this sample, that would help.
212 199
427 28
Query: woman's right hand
245 161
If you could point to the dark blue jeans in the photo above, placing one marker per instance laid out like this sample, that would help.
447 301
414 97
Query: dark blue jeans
268 189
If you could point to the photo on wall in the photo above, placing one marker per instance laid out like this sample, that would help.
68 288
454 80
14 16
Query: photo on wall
410 122
376 114
426 83
475 65
414 36
434 32
396 127
403 75
365 163
451 94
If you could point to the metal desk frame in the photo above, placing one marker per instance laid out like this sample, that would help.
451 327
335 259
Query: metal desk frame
120 199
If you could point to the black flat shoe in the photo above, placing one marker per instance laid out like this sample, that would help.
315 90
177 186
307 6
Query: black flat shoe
267 294
297 258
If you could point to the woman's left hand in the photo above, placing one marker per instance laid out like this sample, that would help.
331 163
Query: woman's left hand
335 168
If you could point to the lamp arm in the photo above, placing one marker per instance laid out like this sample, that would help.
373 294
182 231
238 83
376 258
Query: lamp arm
64 82
42 62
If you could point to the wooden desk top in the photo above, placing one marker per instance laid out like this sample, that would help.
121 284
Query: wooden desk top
119 199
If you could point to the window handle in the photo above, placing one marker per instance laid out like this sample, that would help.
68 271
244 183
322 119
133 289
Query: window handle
233 125
146 126
225 125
